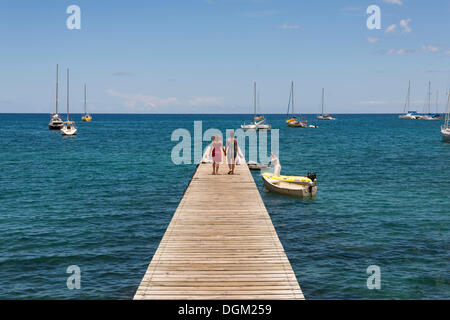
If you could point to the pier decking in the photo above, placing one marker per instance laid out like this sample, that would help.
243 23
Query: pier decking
220 244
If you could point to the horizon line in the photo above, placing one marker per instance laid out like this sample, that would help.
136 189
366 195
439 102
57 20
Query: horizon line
154 113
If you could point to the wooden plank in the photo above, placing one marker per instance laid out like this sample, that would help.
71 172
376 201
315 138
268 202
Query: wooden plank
220 244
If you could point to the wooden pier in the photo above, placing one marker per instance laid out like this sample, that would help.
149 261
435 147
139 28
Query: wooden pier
220 244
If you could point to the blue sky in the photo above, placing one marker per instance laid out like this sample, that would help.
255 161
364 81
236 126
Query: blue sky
197 56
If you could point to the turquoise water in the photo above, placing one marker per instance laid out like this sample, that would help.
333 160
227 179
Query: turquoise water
102 200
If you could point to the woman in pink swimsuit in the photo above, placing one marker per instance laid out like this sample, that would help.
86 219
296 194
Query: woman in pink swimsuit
216 153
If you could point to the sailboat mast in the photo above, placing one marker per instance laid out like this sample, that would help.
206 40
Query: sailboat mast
254 99
258 107
447 110
323 95
292 96
429 96
57 89
408 98
85 98
67 94
437 102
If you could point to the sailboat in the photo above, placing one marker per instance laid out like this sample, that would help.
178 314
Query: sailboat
292 120
432 116
87 116
427 111
258 117
256 124
55 121
409 114
324 116
445 128
69 128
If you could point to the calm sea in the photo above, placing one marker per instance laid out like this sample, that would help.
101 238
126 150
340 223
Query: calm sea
103 199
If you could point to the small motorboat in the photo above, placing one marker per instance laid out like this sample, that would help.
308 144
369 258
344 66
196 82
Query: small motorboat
252 165
55 122
291 185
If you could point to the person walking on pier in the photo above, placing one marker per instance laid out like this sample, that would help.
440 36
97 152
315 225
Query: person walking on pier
216 153
231 152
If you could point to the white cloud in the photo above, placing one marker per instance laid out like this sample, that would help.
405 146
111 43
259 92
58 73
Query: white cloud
391 28
289 26
399 2
430 48
423 49
143 102
206 101
373 40
398 51
404 24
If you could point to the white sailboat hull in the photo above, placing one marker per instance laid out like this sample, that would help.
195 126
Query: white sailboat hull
410 116
257 126
325 118
69 132
445 132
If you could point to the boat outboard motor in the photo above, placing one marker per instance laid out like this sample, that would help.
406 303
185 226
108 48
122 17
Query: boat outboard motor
312 176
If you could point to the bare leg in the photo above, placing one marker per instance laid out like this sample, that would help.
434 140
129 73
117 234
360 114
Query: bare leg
232 168
214 168
217 168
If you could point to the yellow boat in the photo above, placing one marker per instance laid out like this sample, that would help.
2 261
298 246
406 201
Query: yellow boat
87 116
291 179
293 121
291 185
